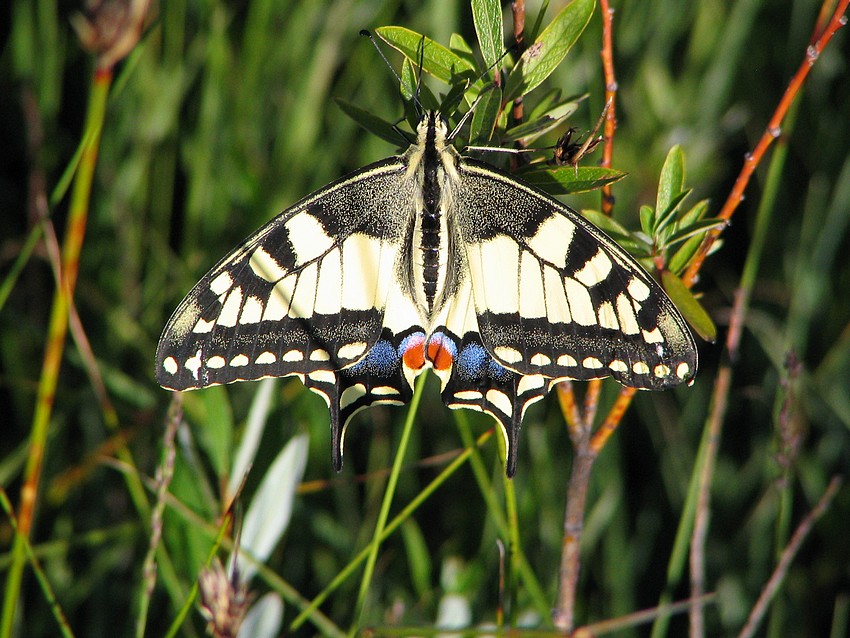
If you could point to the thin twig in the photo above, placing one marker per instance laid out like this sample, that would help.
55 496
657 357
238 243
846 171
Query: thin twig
788 555
720 396
773 130
569 408
630 621
615 415
518 11
164 474
564 613
607 54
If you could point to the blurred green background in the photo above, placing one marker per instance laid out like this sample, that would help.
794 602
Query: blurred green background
222 117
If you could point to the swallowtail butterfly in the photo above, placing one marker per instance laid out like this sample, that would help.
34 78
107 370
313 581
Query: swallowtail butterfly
427 259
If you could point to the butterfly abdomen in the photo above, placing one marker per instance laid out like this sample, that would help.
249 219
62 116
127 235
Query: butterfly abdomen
429 245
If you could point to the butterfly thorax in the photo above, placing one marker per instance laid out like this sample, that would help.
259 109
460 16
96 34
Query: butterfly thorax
433 253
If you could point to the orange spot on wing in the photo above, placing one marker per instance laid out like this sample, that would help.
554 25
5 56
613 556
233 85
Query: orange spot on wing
439 356
414 355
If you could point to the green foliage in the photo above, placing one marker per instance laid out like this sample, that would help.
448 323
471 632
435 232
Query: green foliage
226 113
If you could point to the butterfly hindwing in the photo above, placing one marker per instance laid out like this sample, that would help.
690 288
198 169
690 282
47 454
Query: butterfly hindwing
557 297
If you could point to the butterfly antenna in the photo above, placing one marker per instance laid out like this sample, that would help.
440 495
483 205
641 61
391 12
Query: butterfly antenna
471 110
368 34
484 91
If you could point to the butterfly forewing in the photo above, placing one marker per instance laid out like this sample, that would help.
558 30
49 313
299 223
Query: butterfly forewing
555 296
304 294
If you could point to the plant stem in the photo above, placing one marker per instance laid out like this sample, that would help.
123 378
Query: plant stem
57 331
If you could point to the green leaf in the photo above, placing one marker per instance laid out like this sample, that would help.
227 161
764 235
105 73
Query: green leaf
696 212
418 557
606 223
562 180
646 219
270 510
541 58
409 80
531 34
696 229
664 217
680 260
437 60
453 98
251 436
372 123
461 47
631 242
672 179
688 305
487 17
527 132
484 117
545 103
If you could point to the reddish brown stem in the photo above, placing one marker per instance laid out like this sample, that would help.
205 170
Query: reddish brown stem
607 55
773 130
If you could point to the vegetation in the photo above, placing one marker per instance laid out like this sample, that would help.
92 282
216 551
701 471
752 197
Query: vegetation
144 170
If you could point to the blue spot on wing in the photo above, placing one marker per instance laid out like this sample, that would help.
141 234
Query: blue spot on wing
497 371
381 361
472 362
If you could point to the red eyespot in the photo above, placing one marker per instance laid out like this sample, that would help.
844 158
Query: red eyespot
414 351
440 352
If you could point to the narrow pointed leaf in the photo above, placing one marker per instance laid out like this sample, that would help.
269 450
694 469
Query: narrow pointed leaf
647 216
269 512
529 131
672 179
611 226
697 228
484 117
562 180
682 258
372 123
437 60
487 17
547 101
264 619
461 47
663 218
688 305
696 212
409 80
632 242
249 442
541 58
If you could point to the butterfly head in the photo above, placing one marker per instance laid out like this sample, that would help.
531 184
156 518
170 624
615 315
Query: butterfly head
433 130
